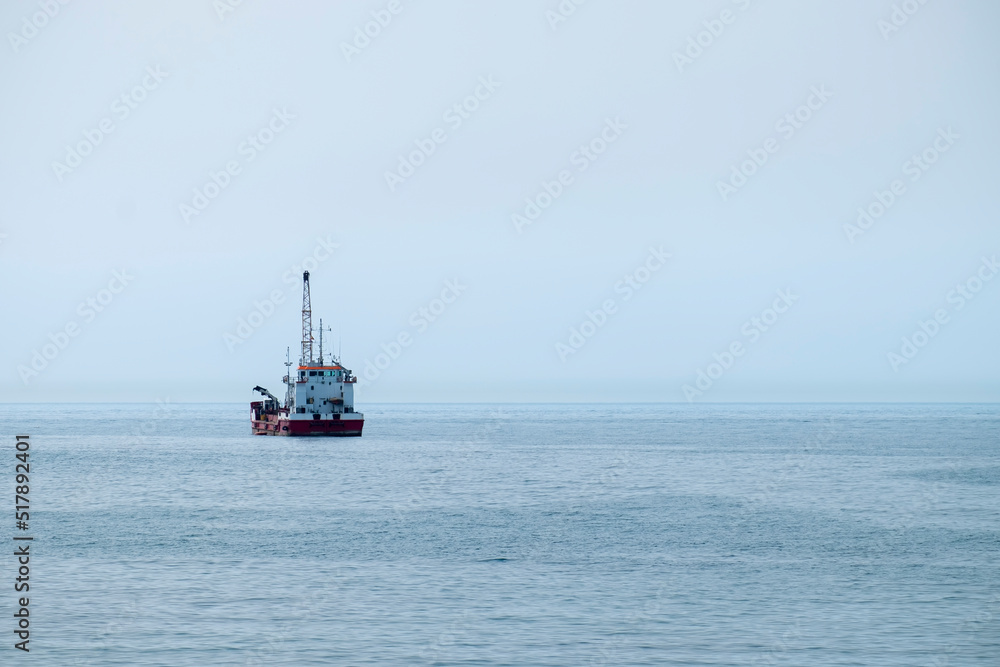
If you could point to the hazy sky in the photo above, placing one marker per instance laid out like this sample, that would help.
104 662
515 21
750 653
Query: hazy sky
205 155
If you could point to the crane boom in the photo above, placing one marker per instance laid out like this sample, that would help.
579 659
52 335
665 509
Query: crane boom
307 346
265 392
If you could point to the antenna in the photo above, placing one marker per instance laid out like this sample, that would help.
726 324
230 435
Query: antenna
307 346
321 340
289 394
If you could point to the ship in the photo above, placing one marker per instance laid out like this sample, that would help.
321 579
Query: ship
319 396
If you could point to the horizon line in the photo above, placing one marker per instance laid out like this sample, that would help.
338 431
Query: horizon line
900 402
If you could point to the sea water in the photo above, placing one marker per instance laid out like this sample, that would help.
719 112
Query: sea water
510 535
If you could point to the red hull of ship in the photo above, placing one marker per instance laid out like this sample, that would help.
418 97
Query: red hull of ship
271 425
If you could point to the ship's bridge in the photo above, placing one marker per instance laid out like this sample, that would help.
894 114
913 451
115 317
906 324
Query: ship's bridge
337 373
325 390
306 372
